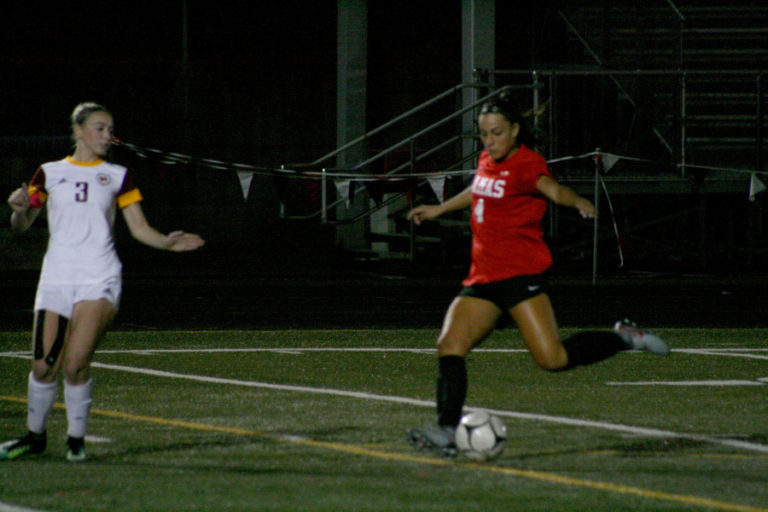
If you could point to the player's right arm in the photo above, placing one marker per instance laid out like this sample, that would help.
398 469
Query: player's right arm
23 213
431 211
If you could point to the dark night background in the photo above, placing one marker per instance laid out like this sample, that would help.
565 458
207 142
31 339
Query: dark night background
259 78
257 85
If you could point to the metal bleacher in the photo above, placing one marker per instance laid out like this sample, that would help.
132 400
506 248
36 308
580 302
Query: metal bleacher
717 54
678 86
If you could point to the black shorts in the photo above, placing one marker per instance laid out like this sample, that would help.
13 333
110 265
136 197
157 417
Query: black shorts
508 292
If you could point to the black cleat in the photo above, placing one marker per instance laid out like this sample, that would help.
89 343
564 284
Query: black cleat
76 449
31 443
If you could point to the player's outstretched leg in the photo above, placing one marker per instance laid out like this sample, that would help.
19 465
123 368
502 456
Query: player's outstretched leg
31 443
640 340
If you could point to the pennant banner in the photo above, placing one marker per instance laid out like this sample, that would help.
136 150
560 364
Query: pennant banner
438 187
342 190
755 186
245 182
609 161
376 189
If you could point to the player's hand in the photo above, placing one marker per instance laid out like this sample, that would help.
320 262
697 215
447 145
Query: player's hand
181 241
586 208
424 212
19 199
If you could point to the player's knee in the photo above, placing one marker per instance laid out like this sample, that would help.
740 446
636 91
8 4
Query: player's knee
552 365
551 360
42 372
453 345
75 371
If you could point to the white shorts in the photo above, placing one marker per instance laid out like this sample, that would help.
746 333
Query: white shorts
61 298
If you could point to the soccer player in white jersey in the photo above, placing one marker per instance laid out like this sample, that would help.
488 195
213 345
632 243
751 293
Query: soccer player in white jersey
78 293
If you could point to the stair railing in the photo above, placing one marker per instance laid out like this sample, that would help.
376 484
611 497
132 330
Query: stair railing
409 142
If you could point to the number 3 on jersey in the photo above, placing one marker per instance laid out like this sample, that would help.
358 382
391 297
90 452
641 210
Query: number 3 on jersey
479 210
81 196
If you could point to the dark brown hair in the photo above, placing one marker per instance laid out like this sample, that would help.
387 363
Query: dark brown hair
506 105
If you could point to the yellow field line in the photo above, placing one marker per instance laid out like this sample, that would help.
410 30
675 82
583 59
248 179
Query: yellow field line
403 457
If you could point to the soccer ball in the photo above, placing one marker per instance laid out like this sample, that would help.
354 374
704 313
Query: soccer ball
481 435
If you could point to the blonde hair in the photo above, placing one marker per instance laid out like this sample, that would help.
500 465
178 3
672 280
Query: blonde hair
84 110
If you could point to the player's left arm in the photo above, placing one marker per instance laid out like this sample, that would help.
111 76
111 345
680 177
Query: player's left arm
564 196
141 230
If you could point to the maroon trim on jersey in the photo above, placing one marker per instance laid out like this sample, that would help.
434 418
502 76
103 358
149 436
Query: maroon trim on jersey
128 183
37 192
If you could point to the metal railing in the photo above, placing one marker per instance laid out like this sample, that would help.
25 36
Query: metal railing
545 85
416 153
751 113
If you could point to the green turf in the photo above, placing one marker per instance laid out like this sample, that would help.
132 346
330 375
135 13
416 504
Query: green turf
171 443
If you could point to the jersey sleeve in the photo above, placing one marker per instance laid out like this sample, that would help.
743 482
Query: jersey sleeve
36 189
535 168
128 193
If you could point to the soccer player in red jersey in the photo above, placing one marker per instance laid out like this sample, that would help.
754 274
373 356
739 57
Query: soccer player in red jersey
508 197
80 282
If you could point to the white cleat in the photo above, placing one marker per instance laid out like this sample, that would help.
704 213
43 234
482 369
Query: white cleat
439 439
640 340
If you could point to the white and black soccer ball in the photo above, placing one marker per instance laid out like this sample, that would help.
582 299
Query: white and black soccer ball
481 435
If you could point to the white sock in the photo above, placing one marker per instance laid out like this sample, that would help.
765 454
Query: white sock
78 400
40 399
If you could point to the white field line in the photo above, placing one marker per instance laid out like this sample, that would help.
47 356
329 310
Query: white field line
637 431
7 507
728 352
744 353
693 383
279 350
627 429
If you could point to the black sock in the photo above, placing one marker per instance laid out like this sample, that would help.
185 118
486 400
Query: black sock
589 347
451 389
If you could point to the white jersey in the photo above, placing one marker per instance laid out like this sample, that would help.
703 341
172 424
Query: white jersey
81 199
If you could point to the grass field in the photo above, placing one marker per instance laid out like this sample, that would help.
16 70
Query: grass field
314 420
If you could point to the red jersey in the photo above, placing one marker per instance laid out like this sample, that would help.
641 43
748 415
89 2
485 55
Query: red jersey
507 208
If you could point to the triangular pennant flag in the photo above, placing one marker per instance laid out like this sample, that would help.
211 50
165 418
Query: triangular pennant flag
376 189
438 186
755 186
245 182
342 190
609 161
